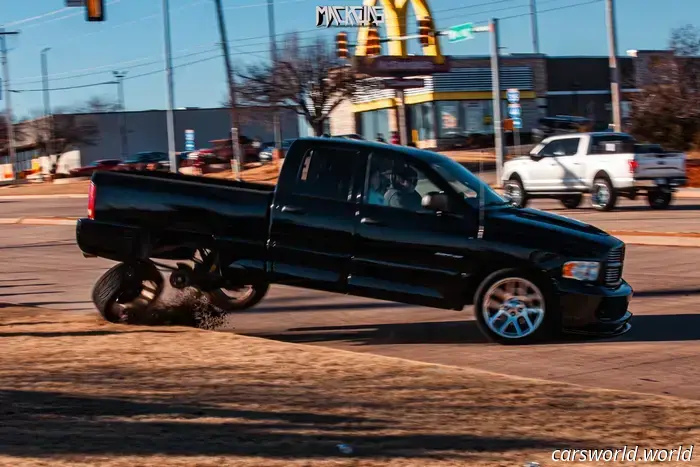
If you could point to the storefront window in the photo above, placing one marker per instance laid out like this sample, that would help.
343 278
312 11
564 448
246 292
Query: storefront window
375 122
449 114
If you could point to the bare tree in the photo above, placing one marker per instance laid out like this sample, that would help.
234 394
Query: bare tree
308 79
97 104
667 111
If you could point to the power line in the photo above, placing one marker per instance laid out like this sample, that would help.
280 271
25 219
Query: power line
65 88
79 12
27 20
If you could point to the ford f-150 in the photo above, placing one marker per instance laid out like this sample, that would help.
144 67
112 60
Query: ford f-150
361 218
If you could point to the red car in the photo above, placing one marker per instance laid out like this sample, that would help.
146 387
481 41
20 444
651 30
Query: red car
88 170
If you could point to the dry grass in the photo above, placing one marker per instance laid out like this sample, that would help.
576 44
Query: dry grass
76 391
46 188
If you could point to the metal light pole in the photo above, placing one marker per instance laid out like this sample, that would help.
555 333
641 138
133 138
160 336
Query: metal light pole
8 102
533 24
614 71
47 102
171 91
496 91
122 111
273 57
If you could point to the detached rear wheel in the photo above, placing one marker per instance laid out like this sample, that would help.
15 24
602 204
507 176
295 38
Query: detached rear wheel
127 289
659 199
512 308
238 299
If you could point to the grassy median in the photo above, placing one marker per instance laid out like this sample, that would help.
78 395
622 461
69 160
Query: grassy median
77 391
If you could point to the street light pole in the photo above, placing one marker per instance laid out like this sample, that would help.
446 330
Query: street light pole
533 25
170 121
8 102
496 92
122 111
273 57
614 71
47 102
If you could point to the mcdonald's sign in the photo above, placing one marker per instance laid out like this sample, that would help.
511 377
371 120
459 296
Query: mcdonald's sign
396 23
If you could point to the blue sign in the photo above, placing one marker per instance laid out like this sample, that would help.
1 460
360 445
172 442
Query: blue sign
513 95
517 123
514 110
189 140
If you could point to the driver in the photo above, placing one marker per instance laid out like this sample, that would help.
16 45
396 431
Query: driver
402 193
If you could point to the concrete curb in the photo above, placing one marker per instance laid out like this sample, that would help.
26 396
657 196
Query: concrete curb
38 221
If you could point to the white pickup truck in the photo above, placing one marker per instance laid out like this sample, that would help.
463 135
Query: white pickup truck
607 165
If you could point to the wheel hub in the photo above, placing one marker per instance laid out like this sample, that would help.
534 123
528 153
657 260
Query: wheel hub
513 308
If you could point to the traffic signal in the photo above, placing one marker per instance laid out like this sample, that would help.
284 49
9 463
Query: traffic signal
341 44
424 31
95 10
373 45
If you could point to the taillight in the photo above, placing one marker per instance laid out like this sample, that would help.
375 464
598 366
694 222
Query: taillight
633 166
91 201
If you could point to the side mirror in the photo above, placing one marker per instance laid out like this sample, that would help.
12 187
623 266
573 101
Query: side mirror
438 202
536 157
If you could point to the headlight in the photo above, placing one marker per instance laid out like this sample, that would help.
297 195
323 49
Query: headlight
581 270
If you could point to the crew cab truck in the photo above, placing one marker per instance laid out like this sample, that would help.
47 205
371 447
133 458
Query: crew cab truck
607 165
325 226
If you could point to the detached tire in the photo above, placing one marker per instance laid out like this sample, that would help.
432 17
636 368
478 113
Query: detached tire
513 307
126 289
603 196
250 295
572 201
659 199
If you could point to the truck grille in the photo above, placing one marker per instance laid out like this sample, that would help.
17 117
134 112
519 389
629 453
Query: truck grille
613 266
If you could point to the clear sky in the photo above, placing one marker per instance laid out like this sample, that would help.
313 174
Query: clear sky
131 40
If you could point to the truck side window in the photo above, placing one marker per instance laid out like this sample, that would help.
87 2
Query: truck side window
569 146
401 183
326 173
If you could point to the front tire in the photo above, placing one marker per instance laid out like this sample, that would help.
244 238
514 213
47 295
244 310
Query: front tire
603 196
237 300
513 307
126 289
659 199
515 192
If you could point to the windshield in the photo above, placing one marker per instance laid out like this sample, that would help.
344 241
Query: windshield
467 184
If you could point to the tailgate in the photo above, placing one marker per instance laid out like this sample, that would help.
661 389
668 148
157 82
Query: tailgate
655 165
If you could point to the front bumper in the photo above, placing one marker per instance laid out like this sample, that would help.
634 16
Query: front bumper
594 309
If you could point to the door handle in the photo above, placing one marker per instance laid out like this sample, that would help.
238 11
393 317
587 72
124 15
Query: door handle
292 210
370 221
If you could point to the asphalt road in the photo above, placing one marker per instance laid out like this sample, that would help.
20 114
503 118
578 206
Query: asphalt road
42 267
683 216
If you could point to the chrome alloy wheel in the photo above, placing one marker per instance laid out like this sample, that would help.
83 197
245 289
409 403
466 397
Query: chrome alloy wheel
238 294
136 298
601 194
513 308
514 193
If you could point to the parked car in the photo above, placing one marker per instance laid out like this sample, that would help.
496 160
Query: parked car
150 160
439 237
267 148
351 136
606 165
88 170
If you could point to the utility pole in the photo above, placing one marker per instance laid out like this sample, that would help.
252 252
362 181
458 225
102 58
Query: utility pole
170 121
235 122
273 57
47 103
496 90
8 102
533 23
122 111
614 71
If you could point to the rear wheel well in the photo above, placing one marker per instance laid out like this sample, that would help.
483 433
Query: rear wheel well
602 174
514 176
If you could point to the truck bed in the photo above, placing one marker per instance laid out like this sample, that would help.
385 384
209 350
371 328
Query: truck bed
165 215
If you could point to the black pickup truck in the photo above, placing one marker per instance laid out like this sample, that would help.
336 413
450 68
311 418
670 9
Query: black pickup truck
361 218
